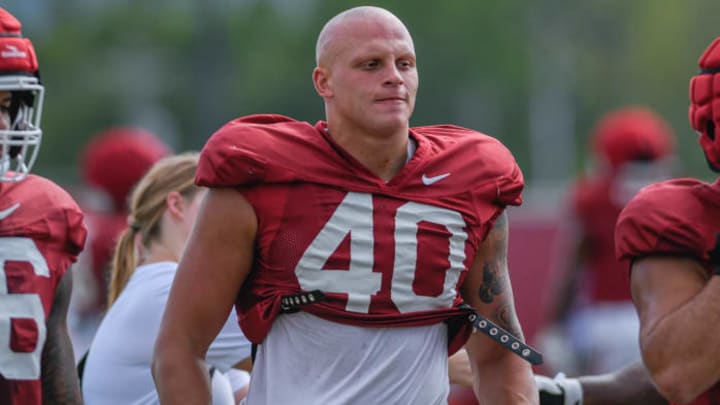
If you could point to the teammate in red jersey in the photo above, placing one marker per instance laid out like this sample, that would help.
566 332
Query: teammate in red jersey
41 234
591 303
111 163
669 234
377 231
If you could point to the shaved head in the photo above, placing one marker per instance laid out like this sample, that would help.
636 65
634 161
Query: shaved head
367 75
351 22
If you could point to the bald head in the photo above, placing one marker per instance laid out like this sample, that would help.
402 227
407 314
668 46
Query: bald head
351 22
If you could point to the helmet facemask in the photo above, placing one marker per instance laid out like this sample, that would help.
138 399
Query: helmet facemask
20 143
19 75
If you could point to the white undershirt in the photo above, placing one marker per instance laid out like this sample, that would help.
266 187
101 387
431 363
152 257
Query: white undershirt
306 360
117 370
411 148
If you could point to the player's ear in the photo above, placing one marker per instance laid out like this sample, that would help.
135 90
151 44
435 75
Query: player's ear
321 80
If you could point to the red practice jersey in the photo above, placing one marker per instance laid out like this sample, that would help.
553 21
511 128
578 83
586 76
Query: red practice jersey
384 253
676 217
41 234
597 209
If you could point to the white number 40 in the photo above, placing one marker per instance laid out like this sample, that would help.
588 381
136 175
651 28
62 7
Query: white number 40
354 216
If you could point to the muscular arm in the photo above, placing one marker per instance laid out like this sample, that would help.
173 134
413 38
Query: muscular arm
677 303
459 370
216 261
629 385
59 377
500 377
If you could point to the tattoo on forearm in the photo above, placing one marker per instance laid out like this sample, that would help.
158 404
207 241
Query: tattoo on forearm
493 283
494 268
495 279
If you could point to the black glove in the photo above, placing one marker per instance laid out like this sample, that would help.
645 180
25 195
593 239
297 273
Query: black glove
559 391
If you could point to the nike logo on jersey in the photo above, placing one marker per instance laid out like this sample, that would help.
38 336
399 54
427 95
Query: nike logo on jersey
7 211
434 179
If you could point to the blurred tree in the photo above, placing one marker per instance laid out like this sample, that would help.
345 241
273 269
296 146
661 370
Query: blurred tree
536 75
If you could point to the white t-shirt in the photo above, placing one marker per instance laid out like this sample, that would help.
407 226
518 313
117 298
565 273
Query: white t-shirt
306 360
117 369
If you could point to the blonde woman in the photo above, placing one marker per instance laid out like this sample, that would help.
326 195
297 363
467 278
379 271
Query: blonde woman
163 208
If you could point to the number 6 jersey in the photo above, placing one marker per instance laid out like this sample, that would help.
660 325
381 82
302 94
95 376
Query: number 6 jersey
384 253
41 234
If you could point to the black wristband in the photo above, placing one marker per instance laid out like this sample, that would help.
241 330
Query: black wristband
547 398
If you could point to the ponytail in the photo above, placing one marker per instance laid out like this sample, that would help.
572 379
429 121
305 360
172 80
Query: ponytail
124 262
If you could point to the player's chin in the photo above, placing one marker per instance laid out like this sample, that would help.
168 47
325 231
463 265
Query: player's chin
391 120
389 127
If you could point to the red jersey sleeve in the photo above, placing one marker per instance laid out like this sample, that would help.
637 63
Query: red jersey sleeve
239 152
667 218
46 213
509 180
508 177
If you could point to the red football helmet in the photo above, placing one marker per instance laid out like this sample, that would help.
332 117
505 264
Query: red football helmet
704 111
632 134
20 141
116 159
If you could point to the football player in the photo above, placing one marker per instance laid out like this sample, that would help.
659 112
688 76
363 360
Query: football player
591 307
41 234
669 233
355 241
